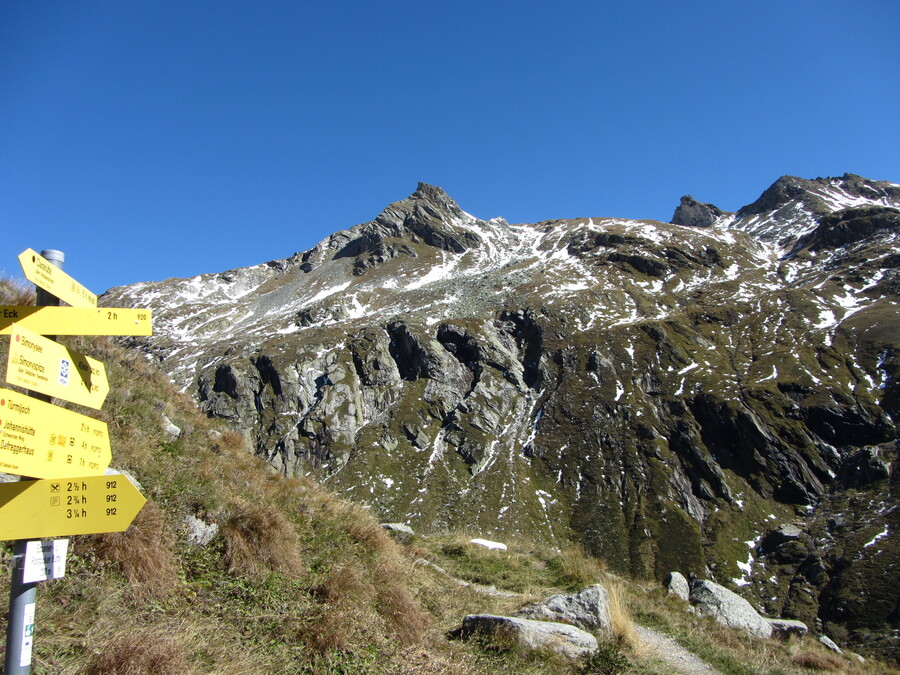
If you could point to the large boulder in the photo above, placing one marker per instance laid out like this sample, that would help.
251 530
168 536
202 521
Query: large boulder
678 586
528 634
589 609
728 608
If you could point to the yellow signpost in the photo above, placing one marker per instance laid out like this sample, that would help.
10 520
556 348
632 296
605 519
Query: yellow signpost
41 272
76 320
34 509
49 368
70 451
42 440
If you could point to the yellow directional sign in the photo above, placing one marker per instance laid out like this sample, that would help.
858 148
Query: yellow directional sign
50 368
41 440
77 320
33 509
41 272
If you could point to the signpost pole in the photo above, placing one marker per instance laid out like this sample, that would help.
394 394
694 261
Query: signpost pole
22 595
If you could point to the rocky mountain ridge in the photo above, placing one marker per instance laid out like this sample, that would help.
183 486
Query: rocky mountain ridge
671 395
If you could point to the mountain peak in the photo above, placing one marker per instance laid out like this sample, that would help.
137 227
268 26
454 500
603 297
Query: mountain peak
429 204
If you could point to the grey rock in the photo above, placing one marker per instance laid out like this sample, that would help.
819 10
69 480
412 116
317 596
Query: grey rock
692 213
199 532
829 643
728 608
678 586
171 431
544 635
399 531
779 536
589 609
786 627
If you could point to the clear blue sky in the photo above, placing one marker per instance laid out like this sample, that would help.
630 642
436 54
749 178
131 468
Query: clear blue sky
171 138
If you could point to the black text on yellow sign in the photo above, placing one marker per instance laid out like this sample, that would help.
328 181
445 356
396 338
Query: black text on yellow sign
41 440
41 272
77 320
49 368
36 509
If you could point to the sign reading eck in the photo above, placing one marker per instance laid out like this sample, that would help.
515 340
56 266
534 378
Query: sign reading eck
44 441
34 509
47 367
76 320
41 272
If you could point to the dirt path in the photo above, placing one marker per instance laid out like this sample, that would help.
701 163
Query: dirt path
679 658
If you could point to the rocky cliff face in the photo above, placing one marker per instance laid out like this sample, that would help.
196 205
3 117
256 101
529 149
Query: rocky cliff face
668 394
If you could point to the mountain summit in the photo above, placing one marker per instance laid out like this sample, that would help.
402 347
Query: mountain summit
670 395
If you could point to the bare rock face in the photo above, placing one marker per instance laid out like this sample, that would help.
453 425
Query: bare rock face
561 638
663 395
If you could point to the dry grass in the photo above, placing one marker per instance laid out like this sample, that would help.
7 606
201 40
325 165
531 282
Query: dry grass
405 618
621 621
814 660
144 553
16 292
142 652
579 569
259 538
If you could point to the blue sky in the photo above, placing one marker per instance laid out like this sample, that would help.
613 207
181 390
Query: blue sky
156 139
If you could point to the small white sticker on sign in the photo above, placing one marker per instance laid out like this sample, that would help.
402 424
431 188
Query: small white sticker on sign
64 372
45 560
27 636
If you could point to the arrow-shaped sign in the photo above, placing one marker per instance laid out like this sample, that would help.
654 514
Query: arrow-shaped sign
41 272
48 367
33 509
76 320
41 440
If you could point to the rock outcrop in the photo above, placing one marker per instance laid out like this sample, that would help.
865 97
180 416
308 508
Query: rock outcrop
588 609
692 213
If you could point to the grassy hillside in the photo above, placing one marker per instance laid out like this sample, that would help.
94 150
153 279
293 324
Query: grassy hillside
297 580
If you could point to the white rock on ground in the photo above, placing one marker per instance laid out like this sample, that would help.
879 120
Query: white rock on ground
678 586
828 642
170 429
200 533
728 608
488 544
558 637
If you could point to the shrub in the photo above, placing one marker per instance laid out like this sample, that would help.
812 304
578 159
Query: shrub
258 539
607 660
